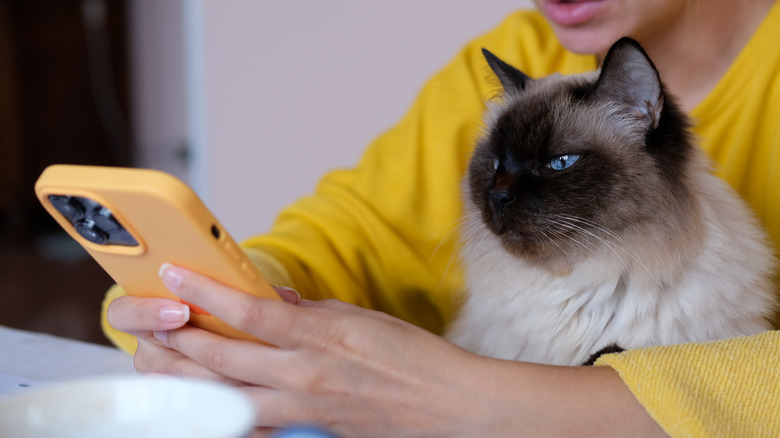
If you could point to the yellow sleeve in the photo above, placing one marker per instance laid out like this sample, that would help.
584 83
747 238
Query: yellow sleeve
728 388
122 340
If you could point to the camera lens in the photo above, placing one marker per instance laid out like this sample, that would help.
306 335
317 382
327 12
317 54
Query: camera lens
90 231
104 220
115 233
69 206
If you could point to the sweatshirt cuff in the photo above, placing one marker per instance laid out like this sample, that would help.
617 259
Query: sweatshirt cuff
122 340
723 388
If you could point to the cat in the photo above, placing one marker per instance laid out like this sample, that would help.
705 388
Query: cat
592 221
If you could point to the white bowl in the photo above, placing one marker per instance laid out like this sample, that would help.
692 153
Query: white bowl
131 406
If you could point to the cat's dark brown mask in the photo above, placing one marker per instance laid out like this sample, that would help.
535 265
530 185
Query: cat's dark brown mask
569 162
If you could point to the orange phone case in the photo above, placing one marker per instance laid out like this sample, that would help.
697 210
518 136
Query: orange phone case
169 223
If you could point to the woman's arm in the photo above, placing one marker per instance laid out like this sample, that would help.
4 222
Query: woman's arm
360 372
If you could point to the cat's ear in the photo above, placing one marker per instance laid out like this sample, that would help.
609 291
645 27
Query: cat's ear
629 77
511 78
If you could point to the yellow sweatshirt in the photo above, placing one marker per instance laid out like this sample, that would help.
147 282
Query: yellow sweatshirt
383 234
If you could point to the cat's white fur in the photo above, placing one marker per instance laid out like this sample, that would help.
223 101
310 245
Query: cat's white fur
628 292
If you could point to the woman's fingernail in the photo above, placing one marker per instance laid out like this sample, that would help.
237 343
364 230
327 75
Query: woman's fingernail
171 276
161 336
288 294
177 313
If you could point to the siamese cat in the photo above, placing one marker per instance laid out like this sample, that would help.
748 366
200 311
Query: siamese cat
594 222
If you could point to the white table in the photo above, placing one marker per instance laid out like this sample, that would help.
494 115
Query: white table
34 358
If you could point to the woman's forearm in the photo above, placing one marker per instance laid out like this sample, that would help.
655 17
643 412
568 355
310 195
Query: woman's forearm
542 400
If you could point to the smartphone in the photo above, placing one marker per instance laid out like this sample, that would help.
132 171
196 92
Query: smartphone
131 221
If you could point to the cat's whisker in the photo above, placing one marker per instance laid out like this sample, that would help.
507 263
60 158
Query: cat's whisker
554 241
610 246
594 225
561 227
557 233
480 237
466 232
456 226
623 245
607 232
472 230
568 227
460 93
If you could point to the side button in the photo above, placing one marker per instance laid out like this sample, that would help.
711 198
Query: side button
234 251
250 270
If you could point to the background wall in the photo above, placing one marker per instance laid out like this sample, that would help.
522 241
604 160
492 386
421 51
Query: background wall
268 95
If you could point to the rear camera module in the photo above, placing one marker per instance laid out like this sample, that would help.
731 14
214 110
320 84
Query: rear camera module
92 221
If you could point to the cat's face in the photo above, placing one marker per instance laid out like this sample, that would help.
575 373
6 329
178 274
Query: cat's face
568 163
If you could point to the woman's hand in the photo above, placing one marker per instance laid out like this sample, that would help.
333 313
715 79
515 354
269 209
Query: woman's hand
354 371
150 319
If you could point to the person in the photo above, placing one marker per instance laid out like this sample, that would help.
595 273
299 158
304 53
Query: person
372 252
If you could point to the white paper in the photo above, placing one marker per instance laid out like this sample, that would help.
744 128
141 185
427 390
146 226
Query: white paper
11 384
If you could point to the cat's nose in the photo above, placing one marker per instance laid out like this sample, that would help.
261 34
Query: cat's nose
501 199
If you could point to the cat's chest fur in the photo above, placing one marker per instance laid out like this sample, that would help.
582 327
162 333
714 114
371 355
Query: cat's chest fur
522 312
519 311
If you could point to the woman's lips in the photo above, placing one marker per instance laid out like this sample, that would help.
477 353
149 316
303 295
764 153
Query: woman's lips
571 12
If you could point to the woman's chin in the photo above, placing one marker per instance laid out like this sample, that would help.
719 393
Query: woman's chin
586 41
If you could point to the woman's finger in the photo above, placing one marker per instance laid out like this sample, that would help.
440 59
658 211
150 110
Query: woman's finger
153 357
276 321
287 294
238 360
136 315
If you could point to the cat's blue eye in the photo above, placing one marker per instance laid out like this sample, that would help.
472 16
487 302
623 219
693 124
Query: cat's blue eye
495 163
563 161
